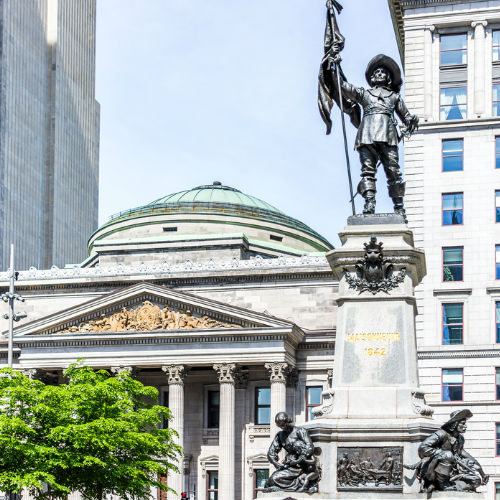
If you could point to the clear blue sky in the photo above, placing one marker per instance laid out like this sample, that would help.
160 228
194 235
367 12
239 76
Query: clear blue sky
194 91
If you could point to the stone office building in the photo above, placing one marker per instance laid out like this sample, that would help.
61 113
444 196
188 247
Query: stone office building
451 54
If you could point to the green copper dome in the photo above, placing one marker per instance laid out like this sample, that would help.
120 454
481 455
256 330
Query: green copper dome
215 212
213 194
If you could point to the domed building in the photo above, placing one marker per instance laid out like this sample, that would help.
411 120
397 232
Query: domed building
206 222
202 291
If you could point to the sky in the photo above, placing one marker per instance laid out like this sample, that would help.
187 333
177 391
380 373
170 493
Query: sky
195 91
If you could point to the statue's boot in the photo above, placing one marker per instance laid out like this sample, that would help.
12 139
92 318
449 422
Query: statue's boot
399 207
369 197
397 192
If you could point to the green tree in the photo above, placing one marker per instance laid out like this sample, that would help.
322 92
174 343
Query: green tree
97 434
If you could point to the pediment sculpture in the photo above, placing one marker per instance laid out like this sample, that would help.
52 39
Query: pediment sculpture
147 317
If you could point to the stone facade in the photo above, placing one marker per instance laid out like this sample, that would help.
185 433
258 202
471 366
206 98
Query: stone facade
420 25
248 348
49 132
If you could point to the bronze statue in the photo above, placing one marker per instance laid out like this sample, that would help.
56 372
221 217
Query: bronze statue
444 464
299 470
378 134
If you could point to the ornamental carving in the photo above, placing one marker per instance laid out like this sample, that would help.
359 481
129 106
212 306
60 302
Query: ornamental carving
227 372
175 373
278 372
374 273
420 407
147 317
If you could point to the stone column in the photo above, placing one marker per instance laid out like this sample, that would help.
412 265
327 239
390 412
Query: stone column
278 373
479 62
428 71
227 379
176 375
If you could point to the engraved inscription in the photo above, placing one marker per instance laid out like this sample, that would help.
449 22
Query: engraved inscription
377 350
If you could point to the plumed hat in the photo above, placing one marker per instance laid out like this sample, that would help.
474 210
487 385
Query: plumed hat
456 416
383 61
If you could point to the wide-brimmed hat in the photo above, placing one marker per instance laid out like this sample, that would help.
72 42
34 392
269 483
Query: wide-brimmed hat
456 416
383 61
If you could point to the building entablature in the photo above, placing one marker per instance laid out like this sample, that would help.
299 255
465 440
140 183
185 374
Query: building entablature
147 326
417 14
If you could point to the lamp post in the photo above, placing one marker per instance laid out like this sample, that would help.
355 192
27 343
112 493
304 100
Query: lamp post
10 297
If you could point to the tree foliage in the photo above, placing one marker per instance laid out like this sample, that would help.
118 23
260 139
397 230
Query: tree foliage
96 434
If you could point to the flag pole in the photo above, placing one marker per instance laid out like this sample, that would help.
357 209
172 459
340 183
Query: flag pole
348 161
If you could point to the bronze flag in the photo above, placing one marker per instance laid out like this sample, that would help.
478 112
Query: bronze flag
328 88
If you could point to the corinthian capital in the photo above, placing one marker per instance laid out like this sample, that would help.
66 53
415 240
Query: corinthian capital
175 373
227 372
278 372
117 370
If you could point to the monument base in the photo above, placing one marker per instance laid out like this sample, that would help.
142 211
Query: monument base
436 495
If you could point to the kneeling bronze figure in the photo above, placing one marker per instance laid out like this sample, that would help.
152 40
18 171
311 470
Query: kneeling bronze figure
299 470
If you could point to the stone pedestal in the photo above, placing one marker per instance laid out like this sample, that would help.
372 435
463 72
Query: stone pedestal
374 412
436 495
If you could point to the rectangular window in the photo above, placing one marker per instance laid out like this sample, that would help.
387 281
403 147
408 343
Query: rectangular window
496 45
213 409
453 103
497 439
497 491
497 262
453 323
313 399
212 485
164 402
453 155
453 264
497 384
497 206
453 49
497 321
260 478
452 384
453 209
263 405
497 152
496 99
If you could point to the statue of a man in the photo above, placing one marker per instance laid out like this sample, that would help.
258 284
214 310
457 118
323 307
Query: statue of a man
445 465
378 136
299 470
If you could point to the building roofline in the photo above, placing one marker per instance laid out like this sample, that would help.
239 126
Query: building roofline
397 8
397 22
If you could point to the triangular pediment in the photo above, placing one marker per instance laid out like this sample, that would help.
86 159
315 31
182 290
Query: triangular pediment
145 307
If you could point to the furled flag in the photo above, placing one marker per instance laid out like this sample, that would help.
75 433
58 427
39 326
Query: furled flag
328 88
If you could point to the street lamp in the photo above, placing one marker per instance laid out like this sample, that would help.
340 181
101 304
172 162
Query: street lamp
10 297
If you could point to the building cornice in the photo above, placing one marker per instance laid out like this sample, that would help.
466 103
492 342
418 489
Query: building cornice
397 8
212 272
